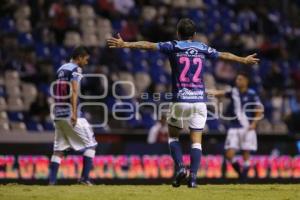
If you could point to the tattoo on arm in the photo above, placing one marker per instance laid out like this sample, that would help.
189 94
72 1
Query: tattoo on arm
141 45
232 57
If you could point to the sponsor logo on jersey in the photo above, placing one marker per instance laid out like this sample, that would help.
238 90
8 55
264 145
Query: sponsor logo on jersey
190 94
192 51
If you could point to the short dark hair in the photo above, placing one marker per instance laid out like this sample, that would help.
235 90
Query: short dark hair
79 51
244 74
186 28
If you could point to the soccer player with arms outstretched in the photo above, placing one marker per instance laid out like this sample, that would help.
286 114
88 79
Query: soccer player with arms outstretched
186 57
71 129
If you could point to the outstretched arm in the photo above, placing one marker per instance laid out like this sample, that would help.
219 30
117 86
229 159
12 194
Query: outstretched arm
248 60
216 93
118 42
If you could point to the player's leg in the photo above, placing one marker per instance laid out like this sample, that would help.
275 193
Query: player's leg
88 156
175 147
246 164
230 157
176 153
231 145
175 124
195 156
248 144
60 144
81 138
54 166
196 124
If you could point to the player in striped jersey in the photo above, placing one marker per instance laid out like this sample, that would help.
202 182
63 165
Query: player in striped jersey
72 131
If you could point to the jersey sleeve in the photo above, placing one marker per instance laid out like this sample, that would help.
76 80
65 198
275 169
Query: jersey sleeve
228 94
256 99
166 47
211 52
76 74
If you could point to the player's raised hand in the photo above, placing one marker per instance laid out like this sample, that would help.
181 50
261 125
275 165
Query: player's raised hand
251 59
116 42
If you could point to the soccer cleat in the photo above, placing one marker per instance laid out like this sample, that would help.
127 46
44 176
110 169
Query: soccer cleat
85 182
192 182
244 174
51 183
179 177
236 166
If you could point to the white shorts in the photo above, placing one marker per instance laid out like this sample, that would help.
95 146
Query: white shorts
241 139
192 114
78 138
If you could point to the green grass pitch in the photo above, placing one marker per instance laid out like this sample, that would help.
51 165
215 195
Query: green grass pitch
156 192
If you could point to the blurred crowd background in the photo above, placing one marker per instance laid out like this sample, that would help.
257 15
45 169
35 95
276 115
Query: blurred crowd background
37 36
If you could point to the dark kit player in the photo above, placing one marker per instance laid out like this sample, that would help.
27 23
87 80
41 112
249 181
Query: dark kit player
244 111
186 57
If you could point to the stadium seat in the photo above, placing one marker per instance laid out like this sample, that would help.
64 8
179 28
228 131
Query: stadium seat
25 39
127 88
86 12
195 4
33 126
88 26
4 127
18 127
264 126
48 126
15 116
148 13
142 82
22 12
279 128
23 25
3 117
72 12
58 54
72 39
2 91
90 40
15 104
7 24
2 80
3 105
104 30
103 24
11 78
13 91
209 81
147 120
42 51
29 93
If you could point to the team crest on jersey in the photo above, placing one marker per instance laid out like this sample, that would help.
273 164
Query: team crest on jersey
61 74
79 70
192 51
210 50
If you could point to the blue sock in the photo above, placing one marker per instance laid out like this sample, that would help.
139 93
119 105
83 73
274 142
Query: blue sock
175 150
246 167
87 166
54 166
196 151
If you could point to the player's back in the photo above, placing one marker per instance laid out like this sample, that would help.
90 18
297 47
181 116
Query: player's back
187 60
